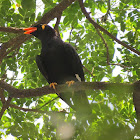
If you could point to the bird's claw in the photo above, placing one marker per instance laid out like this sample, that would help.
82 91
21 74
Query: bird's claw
70 83
53 85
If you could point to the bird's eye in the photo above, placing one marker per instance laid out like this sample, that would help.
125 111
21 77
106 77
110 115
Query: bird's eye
43 26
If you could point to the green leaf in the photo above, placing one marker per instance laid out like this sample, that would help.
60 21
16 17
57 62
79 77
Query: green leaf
6 4
66 21
123 26
21 11
28 4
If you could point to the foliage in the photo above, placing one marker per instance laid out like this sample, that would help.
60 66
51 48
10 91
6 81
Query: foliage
113 111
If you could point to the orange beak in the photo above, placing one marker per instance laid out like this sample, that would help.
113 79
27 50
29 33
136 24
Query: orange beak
29 30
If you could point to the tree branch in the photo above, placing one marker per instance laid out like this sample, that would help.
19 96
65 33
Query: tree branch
12 44
22 93
113 87
11 30
136 98
56 11
56 27
105 31
2 96
5 106
36 110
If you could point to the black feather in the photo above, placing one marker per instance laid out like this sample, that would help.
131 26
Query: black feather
59 62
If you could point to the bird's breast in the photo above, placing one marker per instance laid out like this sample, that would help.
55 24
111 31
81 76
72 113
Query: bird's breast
56 65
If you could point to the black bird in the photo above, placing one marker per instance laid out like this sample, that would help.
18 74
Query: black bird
59 63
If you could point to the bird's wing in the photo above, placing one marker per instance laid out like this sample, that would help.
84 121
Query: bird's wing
44 73
75 62
41 67
79 98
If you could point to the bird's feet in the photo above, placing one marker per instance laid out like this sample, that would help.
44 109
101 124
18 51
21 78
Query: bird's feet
70 83
53 85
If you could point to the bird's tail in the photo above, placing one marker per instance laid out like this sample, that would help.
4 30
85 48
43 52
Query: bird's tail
78 101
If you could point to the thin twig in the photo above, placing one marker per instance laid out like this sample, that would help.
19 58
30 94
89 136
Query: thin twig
121 65
48 102
56 27
70 34
36 110
88 71
107 50
104 18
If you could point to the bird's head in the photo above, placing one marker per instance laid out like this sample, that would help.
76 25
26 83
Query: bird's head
40 31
